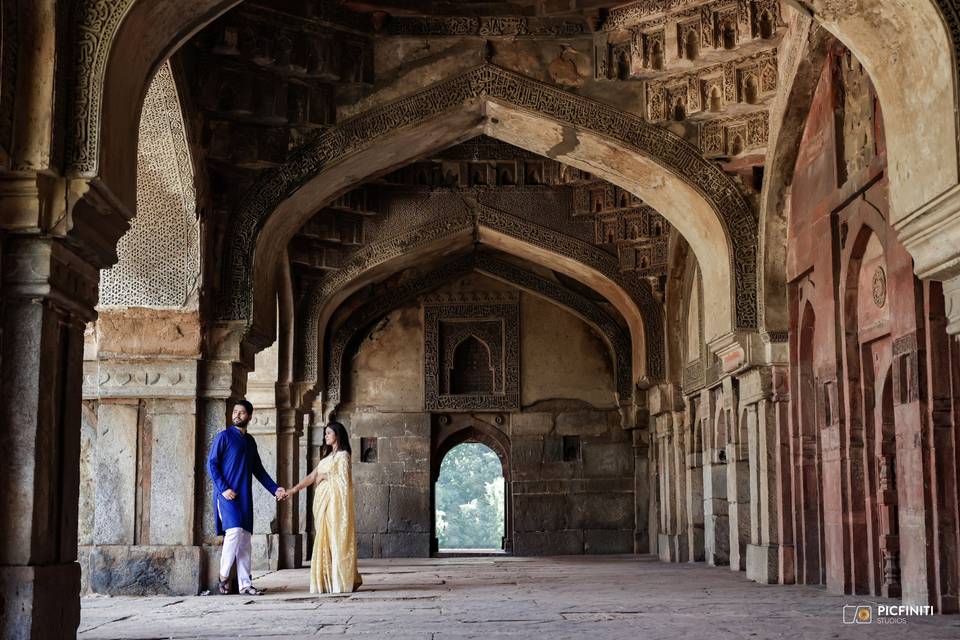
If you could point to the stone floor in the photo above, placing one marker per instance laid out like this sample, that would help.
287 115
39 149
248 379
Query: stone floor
575 597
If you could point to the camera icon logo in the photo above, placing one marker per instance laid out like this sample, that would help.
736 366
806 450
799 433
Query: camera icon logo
857 614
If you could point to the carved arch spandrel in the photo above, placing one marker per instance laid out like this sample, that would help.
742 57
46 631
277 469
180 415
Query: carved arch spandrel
733 234
338 343
116 47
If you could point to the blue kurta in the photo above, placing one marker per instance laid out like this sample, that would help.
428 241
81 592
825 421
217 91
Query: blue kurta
232 463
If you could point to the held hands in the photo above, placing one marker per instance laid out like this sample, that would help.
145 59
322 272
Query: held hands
229 494
282 494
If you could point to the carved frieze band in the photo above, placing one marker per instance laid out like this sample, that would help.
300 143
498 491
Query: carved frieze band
484 26
405 293
495 83
636 287
137 379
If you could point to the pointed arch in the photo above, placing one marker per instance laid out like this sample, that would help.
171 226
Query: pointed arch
695 195
340 338
627 292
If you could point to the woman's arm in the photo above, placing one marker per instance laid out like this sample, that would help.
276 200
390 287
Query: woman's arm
303 484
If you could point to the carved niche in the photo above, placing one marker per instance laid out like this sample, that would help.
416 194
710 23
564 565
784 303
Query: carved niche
471 352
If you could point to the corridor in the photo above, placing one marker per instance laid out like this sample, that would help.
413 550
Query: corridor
585 597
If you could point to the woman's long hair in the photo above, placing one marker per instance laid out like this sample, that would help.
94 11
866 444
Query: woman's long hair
343 439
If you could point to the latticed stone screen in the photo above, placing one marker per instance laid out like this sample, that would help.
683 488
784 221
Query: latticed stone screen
159 256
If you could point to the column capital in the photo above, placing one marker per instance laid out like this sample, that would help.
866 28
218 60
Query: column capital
931 234
42 267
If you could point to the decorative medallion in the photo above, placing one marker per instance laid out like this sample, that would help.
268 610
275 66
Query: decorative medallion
879 287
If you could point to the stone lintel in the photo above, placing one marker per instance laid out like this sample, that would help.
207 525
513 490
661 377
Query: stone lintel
140 379
128 332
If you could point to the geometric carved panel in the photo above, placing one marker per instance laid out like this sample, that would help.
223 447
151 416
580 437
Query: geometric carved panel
471 352
159 257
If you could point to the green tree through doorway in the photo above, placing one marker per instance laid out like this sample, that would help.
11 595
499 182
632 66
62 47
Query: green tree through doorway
470 499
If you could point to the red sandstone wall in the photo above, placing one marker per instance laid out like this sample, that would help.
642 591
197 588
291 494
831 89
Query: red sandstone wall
874 481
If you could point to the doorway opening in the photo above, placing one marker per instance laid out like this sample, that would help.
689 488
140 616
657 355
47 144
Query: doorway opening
470 509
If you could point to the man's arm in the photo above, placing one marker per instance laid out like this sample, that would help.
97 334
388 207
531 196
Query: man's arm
213 466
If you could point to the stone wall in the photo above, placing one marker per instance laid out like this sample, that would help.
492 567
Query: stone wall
569 464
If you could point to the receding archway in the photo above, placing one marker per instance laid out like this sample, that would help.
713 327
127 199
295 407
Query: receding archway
620 148
343 336
452 430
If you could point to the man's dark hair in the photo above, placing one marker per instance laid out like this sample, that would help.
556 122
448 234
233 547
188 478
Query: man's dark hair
246 405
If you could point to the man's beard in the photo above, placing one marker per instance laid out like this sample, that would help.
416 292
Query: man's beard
237 422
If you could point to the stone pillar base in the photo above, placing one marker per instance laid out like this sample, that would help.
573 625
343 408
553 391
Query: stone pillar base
291 550
763 563
147 570
673 547
641 543
695 545
788 564
40 601
265 554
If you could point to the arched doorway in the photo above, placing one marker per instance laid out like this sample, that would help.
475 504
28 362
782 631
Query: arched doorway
469 511
465 445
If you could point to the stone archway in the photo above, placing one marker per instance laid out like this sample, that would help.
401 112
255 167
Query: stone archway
698 198
339 342
450 430
630 295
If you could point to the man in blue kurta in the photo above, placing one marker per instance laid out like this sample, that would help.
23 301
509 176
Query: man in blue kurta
233 462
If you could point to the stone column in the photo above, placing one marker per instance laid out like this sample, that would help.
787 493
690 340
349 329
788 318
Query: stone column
763 397
716 515
642 542
738 475
261 392
667 425
289 472
694 474
141 377
48 293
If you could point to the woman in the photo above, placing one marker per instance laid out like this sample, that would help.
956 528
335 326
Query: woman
333 567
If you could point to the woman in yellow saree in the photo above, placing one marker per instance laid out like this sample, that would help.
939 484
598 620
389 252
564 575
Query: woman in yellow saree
333 566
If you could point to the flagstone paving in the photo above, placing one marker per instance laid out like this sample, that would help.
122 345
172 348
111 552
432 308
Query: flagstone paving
570 597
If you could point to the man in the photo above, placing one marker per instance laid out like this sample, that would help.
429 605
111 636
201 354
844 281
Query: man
232 462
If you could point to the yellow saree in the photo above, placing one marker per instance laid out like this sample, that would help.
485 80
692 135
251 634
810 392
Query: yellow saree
333 567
